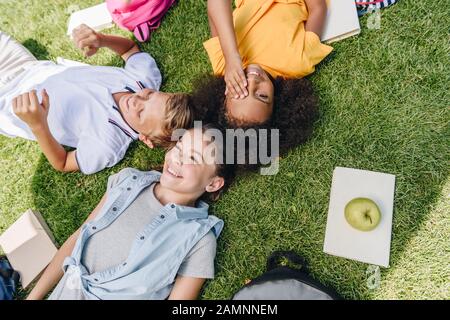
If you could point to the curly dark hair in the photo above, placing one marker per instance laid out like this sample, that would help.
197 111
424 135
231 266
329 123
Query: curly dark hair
294 111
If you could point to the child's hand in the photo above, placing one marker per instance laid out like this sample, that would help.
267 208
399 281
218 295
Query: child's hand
30 111
87 40
236 82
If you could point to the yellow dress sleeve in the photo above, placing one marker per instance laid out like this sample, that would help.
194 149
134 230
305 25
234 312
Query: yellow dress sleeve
215 54
302 2
314 51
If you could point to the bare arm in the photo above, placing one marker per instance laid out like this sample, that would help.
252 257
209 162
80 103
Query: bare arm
90 41
58 157
34 114
186 288
317 14
220 15
122 46
53 273
221 24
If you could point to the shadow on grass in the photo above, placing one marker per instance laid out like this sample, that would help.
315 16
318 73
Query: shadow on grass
37 49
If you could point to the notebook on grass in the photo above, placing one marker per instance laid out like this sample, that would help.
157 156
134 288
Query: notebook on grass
342 21
96 17
343 240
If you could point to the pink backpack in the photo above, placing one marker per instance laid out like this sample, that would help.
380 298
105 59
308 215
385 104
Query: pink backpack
140 16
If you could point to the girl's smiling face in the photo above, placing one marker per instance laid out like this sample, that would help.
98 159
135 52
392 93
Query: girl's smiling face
190 166
257 107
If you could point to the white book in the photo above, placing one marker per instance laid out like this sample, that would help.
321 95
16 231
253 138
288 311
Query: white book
342 21
96 17
29 246
343 240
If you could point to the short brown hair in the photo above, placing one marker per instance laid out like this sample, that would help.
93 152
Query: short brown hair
179 115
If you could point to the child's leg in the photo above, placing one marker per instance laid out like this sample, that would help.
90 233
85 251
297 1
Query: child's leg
14 58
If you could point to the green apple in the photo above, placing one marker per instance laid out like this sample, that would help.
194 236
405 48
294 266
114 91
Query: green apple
362 214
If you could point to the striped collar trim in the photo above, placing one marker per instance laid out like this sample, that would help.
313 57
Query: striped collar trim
133 136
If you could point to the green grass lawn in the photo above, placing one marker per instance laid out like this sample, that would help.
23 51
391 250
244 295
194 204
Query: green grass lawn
384 106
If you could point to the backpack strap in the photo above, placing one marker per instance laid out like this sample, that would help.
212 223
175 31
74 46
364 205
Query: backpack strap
274 260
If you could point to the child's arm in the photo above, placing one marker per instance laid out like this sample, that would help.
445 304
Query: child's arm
90 41
186 288
34 114
220 16
317 10
53 273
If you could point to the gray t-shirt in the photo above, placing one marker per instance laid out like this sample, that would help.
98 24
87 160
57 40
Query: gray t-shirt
111 246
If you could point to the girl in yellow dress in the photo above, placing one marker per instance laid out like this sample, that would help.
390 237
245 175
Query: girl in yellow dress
259 54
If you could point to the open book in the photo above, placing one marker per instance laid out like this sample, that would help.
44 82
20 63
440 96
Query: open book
342 21
96 17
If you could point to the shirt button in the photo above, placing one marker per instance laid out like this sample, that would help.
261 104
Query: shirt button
115 209
96 280
172 206
162 216
142 238
128 189
94 228
134 177
124 264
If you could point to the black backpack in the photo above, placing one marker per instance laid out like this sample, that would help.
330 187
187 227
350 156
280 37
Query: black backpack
281 282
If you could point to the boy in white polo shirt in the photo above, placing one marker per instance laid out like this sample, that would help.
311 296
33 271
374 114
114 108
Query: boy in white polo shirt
98 110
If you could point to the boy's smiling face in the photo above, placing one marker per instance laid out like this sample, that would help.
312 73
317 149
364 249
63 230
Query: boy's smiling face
144 111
